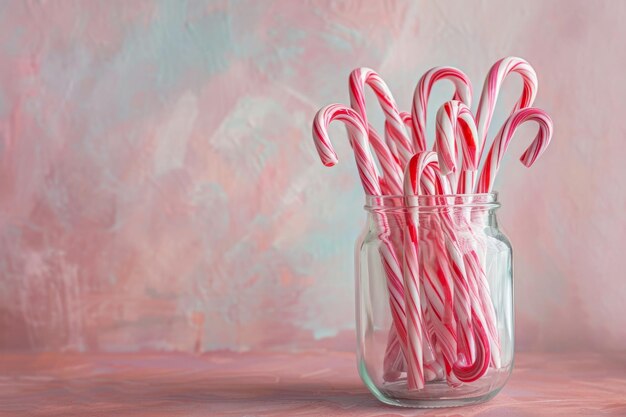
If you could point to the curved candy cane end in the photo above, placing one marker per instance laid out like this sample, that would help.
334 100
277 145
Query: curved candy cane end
319 131
327 155
541 141
530 155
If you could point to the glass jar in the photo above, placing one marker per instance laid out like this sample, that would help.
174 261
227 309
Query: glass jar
434 299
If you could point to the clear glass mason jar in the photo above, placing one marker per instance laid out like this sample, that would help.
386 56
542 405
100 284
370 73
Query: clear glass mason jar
434 299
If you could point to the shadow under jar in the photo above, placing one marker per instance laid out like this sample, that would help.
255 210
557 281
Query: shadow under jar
434 297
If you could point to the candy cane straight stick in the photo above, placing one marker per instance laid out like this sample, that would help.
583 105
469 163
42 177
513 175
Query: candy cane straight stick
503 138
448 248
371 184
484 114
422 176
491 89
474 340
450 263
391 184
463 92
415 321
492 165
398 140
441 294
455 121
361 77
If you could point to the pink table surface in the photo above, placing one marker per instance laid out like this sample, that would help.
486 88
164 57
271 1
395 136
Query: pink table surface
314 383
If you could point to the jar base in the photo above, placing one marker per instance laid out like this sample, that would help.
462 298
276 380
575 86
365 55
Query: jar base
436 403
438 394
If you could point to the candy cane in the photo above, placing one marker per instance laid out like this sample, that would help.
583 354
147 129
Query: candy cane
470 276
368 172
437 278
491 89
503 138
397 137
490 170
370 180
440 294
361 77
474 339
450 261
455 120
481 298
463 92
391 183
468 266
415 321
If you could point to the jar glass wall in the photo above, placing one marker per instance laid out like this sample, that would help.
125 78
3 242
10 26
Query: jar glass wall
434 297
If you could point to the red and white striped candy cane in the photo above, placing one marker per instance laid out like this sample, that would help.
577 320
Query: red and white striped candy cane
448 263
398 139
370 180
503 138
463 92
436 280
455 121
472 337
469 276
370 177
490 169
450 260
391 184
361 77
482 302
491 89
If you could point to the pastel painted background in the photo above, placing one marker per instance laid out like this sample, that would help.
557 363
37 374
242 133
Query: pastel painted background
159 189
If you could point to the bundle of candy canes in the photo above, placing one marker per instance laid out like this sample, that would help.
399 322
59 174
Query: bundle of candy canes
444 322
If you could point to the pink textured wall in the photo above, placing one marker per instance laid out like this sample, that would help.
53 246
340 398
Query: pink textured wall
159 188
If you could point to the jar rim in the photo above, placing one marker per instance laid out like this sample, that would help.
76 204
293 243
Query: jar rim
400 202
